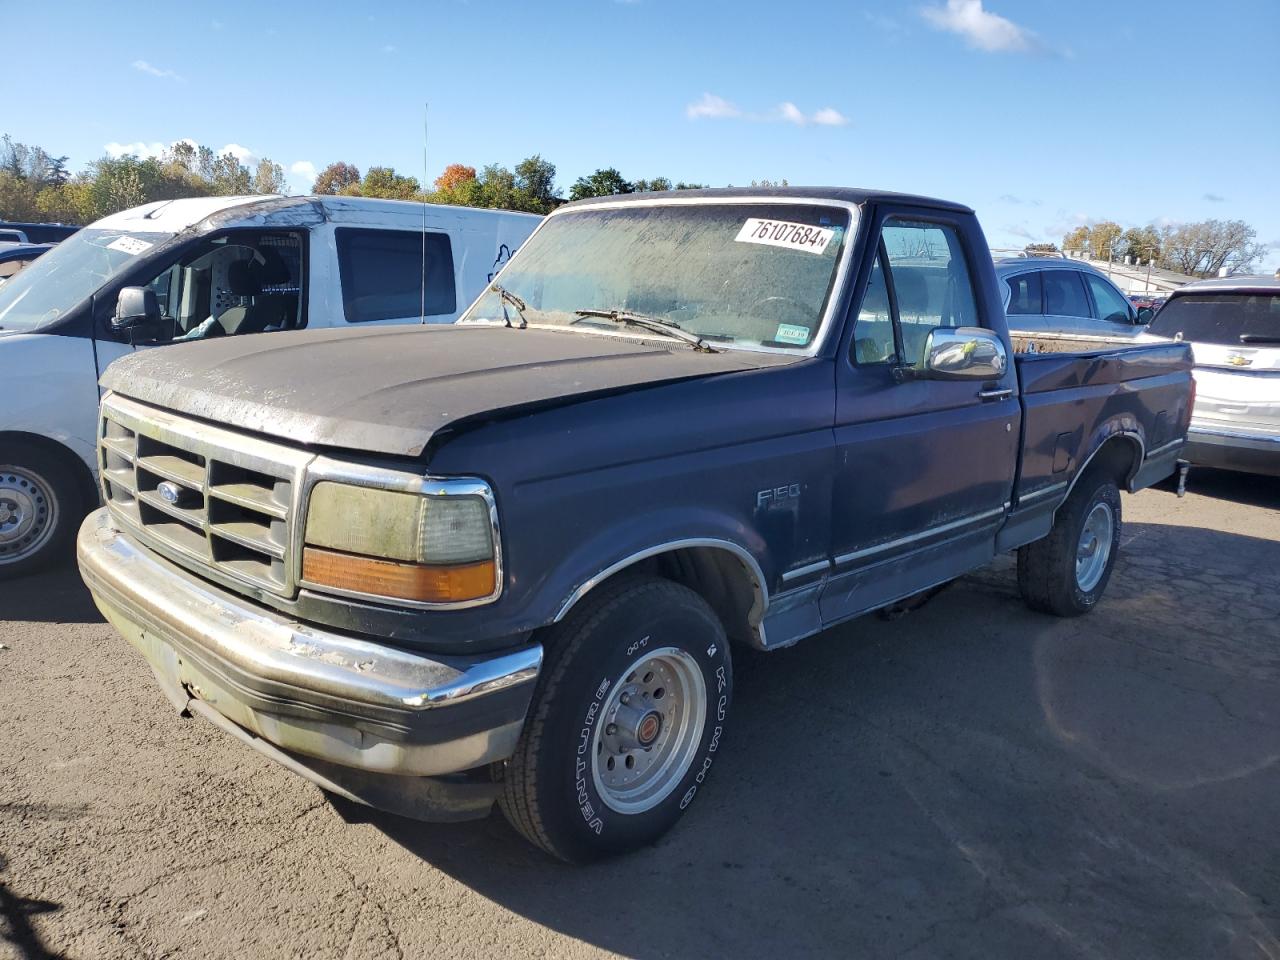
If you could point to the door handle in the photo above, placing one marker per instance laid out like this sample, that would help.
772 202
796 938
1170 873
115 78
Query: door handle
997 393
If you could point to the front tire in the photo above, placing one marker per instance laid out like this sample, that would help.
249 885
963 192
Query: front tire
1067 572
40 507
626 720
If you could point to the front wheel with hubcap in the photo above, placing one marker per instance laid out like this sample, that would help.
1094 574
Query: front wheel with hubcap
1066 572
40 506
626 720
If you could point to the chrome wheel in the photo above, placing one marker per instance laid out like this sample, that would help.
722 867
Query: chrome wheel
28 513
1094 549
649 731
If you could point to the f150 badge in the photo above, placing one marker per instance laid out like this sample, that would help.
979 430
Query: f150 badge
776 496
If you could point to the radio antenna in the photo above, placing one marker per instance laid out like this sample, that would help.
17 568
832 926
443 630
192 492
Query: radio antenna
426 107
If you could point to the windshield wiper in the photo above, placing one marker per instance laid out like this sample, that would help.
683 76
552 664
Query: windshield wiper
666 327
1259 338
508 297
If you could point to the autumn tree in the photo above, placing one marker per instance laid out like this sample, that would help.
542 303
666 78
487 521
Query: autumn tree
1103 237
1203 248
336 178
454 176
1077 241
1142 243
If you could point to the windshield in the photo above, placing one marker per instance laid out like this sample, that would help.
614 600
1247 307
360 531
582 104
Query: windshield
1222 318
68 274
755 275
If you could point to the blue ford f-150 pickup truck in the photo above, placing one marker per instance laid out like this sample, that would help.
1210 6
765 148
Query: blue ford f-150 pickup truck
509 559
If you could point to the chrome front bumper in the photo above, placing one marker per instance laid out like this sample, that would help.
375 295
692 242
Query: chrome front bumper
347 702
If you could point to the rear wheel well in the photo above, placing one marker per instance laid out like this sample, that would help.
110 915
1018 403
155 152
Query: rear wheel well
1119 457
729 585
11 439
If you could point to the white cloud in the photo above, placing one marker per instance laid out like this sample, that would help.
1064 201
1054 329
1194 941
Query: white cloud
711 106
243 154
303 168
143 67
138 148
1215 197
980 28
829 117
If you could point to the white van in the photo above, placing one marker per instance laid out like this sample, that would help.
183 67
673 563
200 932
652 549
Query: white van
181 270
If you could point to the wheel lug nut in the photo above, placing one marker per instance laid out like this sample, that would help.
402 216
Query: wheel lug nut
625 698
611 729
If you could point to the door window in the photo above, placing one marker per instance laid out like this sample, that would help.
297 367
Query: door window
1024 294
1112 307
394 274
1064 294
929 281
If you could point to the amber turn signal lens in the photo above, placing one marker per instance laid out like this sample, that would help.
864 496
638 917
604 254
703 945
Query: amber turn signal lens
395 580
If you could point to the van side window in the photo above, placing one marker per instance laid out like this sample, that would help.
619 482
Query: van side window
383 278
1024 294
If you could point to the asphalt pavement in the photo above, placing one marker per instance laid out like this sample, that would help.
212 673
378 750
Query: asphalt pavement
972 780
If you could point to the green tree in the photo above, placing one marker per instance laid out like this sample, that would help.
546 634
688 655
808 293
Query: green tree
656 185
603 183
269 178
336 178
1143 244
535 185
385 183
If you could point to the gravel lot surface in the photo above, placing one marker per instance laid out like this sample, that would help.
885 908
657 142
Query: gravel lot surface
973 780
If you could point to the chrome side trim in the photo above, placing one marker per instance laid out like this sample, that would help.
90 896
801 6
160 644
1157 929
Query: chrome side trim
1041 492
922 535
1164 448
759 607
1232 434
806 570
325 468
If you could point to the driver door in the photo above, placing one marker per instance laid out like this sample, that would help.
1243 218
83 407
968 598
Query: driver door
925 467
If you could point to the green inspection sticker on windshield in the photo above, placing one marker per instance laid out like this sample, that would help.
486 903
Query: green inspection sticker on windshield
792 333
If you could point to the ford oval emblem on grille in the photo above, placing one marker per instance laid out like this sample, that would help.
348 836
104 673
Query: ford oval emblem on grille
170 492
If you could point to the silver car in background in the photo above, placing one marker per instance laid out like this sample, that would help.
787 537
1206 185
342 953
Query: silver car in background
1233 325
1060 297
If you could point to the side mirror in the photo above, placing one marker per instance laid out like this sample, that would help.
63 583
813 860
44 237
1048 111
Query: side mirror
1145 314
962 353
137 314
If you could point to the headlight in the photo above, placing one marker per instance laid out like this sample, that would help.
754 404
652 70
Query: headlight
426 548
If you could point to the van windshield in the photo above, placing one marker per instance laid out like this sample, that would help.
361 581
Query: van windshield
1222 318
69 274
752 274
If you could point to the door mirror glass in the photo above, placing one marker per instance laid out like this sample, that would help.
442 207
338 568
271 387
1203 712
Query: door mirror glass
962 353
137 314
1145 314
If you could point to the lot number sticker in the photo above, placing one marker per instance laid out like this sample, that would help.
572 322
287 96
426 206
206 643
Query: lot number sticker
130 245
782 233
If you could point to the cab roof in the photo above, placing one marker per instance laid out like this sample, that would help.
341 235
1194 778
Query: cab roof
851 195
1259 284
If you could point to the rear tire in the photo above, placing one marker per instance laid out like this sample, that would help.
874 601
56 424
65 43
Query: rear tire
1066 573
41 505
626 720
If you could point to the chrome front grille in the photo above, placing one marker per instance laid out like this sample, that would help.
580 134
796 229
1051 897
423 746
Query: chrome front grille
207 497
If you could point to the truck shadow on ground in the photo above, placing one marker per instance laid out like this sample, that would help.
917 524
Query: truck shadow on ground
1253 489
974 779
57 595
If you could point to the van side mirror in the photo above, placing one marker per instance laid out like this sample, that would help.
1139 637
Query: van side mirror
137 314
1144 315
962 353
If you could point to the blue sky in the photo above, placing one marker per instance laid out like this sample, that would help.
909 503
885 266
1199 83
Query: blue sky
1041 114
